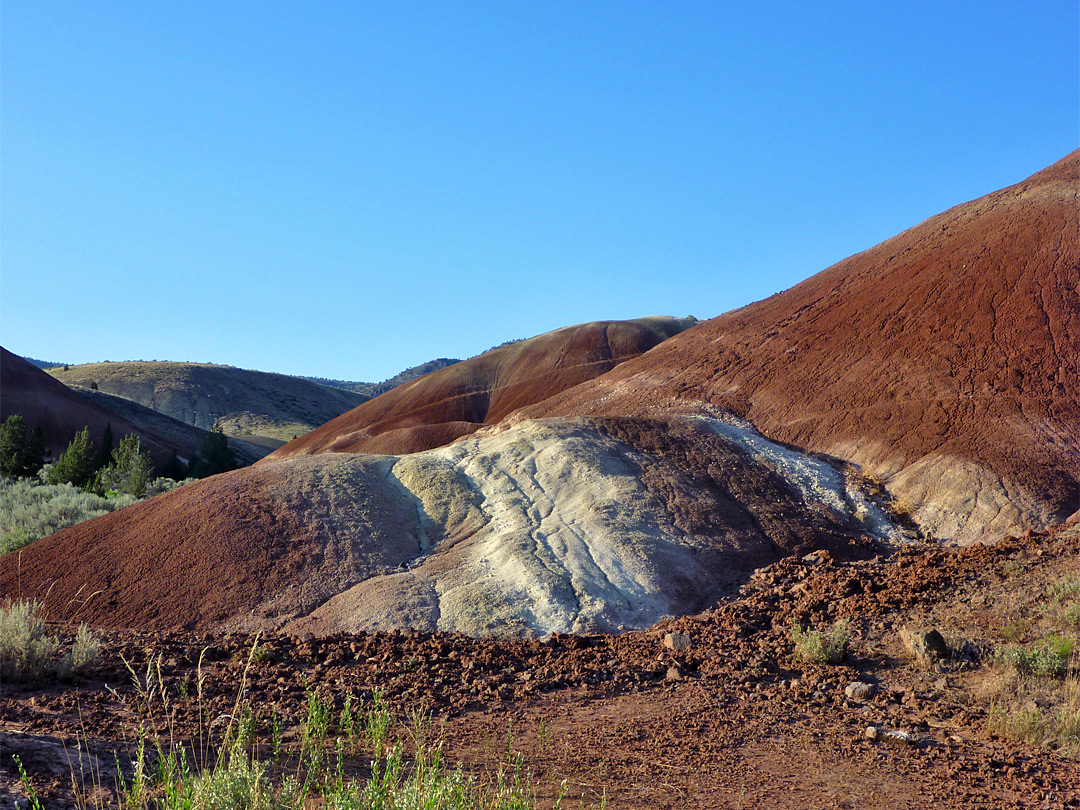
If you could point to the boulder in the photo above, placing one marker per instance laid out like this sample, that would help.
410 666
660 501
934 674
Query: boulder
926 646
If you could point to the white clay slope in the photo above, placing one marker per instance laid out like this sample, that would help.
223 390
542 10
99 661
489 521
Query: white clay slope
548 526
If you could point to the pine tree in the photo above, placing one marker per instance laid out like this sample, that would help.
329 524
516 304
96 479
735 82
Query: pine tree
104 454
22 452
215 454
76 464
130 470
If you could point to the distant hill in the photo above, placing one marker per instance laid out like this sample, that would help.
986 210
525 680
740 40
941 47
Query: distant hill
41 363
183 436
374 389
61 412
256 406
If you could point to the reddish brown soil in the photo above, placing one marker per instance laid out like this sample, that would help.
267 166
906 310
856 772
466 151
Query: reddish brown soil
959 338
60 412
455 401
744 723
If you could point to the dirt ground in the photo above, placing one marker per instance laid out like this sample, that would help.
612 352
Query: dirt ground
737 719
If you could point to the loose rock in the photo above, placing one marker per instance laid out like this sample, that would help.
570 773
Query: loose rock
859 690
927 646
677 642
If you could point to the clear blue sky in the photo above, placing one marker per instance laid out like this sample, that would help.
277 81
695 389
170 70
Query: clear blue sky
347 189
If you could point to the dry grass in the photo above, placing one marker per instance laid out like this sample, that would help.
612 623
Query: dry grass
1034 687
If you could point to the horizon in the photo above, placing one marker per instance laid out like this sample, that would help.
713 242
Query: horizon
346 192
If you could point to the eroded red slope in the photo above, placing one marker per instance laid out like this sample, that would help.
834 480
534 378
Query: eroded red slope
945 359
453 402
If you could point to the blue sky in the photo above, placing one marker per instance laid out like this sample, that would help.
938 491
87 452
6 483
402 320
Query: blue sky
347 189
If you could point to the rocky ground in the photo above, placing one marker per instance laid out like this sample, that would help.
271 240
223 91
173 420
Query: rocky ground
715 710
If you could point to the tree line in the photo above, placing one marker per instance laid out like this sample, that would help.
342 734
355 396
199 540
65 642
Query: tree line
104 469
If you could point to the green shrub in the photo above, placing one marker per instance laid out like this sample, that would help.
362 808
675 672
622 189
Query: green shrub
30 510
1055 725
28 652
1047 658
1065 589
820 646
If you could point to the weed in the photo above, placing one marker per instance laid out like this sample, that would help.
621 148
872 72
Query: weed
35 802
276 735
901 508
1016 629
377 725
1065 589
544 734
316 726
1047 658
1055 724
1013 568
821 646
350 725
1072 616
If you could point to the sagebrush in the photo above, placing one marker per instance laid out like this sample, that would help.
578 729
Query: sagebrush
27 651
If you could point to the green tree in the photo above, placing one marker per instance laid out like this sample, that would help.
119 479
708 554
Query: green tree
173 468
22 451
130 471
76 464
104 453
214 456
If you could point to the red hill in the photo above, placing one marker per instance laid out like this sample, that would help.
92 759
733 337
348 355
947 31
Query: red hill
944 360
455 401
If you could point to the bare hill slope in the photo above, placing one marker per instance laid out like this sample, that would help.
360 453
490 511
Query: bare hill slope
246 404
457 400
945 360
553 525
187 438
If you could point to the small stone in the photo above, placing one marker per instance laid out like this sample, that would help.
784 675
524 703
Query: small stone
889 736
674 673
859 690
677 642
898 737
